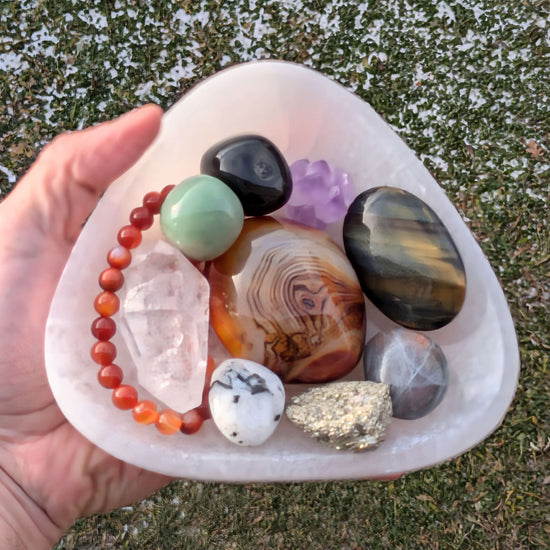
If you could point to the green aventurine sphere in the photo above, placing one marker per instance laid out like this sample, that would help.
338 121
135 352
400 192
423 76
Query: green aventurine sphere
202 217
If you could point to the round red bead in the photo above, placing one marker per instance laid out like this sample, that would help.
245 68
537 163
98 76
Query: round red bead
110 376
204 410
191 422
125 397
166 190
119 257
129 236
103 328
169 422
153 201
145 412
103 353
106 303
141 218
111 279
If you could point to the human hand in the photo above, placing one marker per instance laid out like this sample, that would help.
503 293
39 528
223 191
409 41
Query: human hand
49 474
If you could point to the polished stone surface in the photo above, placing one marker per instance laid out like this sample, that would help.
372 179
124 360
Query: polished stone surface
308 114
254 169
164 322
246 400
405 258
286 296
413 366
202 217
350 416
321 193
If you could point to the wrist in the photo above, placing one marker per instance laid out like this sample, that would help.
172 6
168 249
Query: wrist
23 524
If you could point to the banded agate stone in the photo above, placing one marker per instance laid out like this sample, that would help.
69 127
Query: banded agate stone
254 169
285 295
406 260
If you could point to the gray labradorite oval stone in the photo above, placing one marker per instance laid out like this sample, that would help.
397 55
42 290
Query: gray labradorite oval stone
413 366
404 257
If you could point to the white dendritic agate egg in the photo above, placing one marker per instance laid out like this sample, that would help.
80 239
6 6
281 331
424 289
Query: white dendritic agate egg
246 400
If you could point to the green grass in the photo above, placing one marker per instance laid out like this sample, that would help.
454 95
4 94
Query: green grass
467 88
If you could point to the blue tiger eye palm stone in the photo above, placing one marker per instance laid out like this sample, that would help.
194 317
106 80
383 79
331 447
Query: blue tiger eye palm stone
254 169
407 263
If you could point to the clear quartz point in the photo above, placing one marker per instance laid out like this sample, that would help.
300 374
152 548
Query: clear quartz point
165 325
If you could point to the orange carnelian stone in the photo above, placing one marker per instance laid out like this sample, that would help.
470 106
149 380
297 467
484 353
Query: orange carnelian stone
210 368
110 376
103 328
103 353
129 236
125 397
106 303
169 422
141 218
153 201
145 412
119 257
111 279
191 421
204 408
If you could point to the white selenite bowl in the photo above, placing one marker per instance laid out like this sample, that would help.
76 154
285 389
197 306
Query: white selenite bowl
307 116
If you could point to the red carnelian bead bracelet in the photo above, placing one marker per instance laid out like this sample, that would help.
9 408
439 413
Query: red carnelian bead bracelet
103 328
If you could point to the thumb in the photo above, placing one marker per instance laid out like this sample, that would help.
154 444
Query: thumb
64 184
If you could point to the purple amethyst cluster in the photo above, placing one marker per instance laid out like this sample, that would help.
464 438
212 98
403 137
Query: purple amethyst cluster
321 193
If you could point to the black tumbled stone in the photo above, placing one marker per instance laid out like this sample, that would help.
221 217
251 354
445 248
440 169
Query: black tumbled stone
254 169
